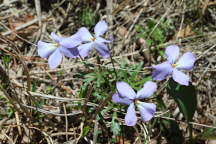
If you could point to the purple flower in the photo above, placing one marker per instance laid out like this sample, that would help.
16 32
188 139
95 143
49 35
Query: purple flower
55 50
126 95
94 41
186 62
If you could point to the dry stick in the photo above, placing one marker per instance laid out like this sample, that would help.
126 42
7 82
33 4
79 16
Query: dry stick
38 11
66 121
61 133
95 135
53 113
74 131
81 132
44 96
18 123
52 97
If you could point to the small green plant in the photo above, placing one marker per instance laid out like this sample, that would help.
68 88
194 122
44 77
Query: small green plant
50 90
6 59
88 17
155 35
8 110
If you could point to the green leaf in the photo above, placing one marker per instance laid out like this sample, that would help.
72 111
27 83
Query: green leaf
141 82
136 72
140 36
88 17
150 24
115 127
185 96
162 53
86 130
103 112
149 42
139 29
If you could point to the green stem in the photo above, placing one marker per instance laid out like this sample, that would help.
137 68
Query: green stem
190 132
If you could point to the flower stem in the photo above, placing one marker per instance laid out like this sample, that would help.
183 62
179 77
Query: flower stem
89 70
112 61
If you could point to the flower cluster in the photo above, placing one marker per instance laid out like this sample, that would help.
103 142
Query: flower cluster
77 45
126 95
81 43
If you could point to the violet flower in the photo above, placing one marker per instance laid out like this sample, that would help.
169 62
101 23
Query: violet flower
186 62
55 50
126 95
94 41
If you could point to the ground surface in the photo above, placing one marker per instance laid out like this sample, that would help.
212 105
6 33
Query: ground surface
40 105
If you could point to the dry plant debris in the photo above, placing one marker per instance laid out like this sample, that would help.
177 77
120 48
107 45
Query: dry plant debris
39 105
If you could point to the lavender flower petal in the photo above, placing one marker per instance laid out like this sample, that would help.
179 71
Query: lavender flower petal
69 52
56 37
84 34
102 40
100 28
130 117
180 77
102 49
74 51
147 91
121 100
125 90
161 71
45 49
147 110
71 42
186 62
84 49
55 59
172 53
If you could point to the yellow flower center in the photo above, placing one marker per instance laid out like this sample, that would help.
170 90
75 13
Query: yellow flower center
173 65
93 38
135 101
57 44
